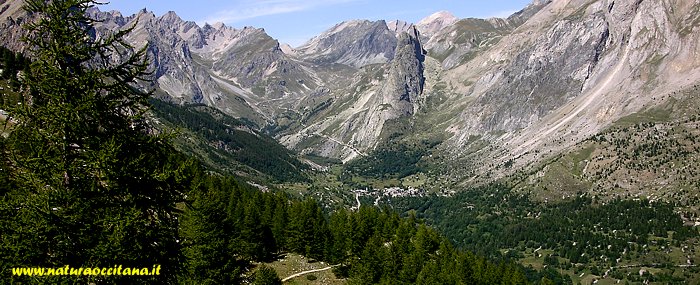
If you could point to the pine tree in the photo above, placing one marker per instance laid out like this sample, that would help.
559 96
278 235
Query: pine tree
93 188
300 227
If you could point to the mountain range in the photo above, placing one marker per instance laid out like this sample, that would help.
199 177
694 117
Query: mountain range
491 98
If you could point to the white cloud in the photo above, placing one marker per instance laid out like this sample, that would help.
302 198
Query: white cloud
250 9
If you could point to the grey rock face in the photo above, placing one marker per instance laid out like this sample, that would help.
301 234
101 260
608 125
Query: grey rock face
204 65
545 75
570 71
258 60
355 43
404 85
400 94
175 71
398 27
12 17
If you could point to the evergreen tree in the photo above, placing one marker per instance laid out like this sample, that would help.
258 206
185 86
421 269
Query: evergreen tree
266 276
212 253
367 268
93 188
279 221
300 230
337 246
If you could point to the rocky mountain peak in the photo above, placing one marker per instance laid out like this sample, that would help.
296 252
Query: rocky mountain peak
287 49
436 22
218 26
344 25
406 81
144 11
170 17
399 95
440 16
116 14
355 43
111 20
398 26
144 17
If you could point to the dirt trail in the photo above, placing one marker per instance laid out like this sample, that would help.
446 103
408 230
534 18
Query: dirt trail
341 143
307 130
307 272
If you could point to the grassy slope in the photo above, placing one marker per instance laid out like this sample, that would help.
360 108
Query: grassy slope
652 154
294 263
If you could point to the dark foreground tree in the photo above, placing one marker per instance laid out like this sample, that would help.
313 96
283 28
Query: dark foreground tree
91 186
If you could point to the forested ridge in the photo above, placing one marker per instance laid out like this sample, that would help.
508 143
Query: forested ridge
229 141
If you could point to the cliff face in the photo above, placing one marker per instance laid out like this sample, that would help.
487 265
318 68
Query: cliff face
403 86
399 95
545 74
175 72
375 95
12 17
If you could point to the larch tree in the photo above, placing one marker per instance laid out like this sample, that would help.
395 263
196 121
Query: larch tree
92 186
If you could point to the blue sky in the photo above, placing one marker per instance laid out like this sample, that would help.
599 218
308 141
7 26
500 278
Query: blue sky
295 21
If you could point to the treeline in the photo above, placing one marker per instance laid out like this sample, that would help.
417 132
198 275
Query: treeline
227 142
475 219
588 230
226 227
